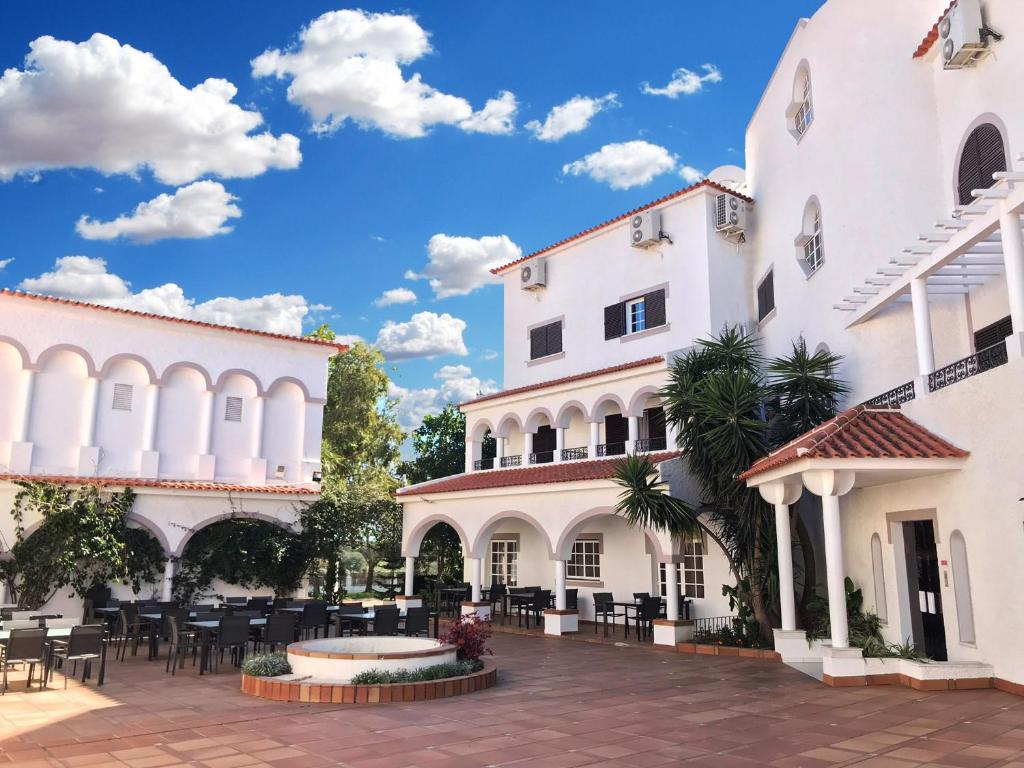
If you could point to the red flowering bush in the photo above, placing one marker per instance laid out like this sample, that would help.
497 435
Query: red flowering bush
469 634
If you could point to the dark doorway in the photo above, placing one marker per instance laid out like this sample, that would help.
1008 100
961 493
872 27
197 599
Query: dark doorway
616 433
924 586
544 445
654 419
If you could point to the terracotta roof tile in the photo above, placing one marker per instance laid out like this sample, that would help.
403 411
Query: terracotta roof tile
567 379
167 318
183 485
933 34
537 474
671 196
863 432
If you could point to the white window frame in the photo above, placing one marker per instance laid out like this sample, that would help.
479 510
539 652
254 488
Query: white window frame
577 568
800 113
505 561
814 252
692 566
632 305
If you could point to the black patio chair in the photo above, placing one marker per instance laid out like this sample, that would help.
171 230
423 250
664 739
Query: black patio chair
603 607
534 607
25 646
649 610
261 604
342 620
280 602
385 621
87 643
181 642
232 635
131 628
241 600
496 596
279 630
209 616
640 596
417 621
572 599
314 617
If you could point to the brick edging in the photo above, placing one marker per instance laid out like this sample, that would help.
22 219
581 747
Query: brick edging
707 649
386 693
939 684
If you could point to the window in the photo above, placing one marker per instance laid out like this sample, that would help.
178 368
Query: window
766 295
800 113
690 572
814 256
546 340
233 408
504 561
962 587
881 609
983 154
122 397
634 315
992 334
585 562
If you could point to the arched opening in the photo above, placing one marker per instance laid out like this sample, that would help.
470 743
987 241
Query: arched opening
439 545
541 424
121 415
983 154
62 402
283 429
613 430
649 409
572 417
237 426
800 112
962 587
182 421
12 380
810 251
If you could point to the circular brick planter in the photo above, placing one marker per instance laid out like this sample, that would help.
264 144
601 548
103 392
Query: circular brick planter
276 689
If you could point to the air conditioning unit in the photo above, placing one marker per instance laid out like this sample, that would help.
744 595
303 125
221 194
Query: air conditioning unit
960 41
645 229
533 275
730 215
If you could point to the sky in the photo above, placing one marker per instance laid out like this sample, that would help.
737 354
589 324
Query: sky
281 165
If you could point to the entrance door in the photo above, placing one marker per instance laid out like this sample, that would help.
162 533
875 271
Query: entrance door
923 574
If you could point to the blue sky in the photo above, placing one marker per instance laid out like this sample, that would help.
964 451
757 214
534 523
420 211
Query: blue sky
90 128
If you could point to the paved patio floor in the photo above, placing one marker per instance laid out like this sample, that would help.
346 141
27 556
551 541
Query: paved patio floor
558 703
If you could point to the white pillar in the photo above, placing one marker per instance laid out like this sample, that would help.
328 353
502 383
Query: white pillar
499 451
410 575
478 563
152 409
259 407
560 585
559 442
527 447
784 547
167 589
24 411
634 434
922 326
92 396
1013 261
211 405
671 591
469 456
595 439
836 575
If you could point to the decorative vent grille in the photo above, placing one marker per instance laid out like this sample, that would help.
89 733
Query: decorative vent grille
233 409
122 397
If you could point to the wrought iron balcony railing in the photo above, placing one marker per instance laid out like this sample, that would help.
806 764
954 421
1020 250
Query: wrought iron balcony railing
981 361
483 464
573 454
648 444
904 393
611 449
512 461
542 457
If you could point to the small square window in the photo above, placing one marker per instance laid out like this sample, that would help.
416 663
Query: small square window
636 315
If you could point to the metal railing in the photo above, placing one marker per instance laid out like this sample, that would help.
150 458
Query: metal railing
711 626
483 464
648 444
512 461
573 454
981 361
611 449
904 393
542 457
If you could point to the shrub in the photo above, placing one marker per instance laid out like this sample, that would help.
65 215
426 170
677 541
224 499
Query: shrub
267 665
469 634
435 672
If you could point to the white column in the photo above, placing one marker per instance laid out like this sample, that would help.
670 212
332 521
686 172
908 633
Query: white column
28 385
92 396
595 439
259 408
559 442
152 409
499 451
634 434
469 456
211 405
410 575
527 447
836 575
922 326
1013 261
478 566
167 587
671 591
784 547
560 585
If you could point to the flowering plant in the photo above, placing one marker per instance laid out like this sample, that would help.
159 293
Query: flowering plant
469 634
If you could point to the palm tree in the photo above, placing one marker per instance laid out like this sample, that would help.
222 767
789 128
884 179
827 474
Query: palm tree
716 397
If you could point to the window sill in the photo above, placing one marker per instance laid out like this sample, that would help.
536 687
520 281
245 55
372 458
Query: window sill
584 583
545 359
767 318
645 333
808 272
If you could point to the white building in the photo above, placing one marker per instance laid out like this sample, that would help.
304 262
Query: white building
202 421
886 225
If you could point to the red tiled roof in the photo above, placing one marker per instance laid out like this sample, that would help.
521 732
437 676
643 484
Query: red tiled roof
863 432
142 482
182 320
537 474
933 34
567 379
671 196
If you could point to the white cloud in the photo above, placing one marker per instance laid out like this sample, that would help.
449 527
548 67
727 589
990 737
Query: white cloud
685 81
201 209
624 165
347 65
395 296
99 104
458 265
425 334
488 354
498 117
4 263
87 279
690 174
457 385
571 117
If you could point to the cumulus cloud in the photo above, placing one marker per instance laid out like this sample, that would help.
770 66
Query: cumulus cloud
4 263
199 210
457 265
457 384
395 296
571 117
87 279
685 82
690 174
624 165
99 104
347 65
425 334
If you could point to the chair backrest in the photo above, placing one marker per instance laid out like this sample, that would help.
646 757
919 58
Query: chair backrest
572 598
261 604
417 620
62 623
314 614
27 643
21 624
210 616
172 615
201 607
280 628
541 598
236 600
519 590
385 621
641 596
86 639
281 602
250 614
650 608
351 608
497 591
233 630
601 599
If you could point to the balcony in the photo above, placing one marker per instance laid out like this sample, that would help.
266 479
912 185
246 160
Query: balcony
574 454
480 464
972 365
650 444
611 449
511 461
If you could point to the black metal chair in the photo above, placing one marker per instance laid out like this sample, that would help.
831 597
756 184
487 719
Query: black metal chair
342 620
232 635
280 602
25 646
279 630
417 622
181 642
640 596
314 617
209 616
200 607
603 608
496 596
649 610
261 604
385 621
130 629
534 607
87 643
235 600
572 599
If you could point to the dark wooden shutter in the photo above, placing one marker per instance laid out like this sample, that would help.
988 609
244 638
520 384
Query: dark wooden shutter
538 343
615 321
554 338
655 423
766 296
616 428
983 155
654 307
992 334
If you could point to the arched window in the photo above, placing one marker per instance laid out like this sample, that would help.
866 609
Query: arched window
800 113
810 250
881 610
962 587
983 154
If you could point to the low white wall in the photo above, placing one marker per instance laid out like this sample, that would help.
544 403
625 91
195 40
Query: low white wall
342 670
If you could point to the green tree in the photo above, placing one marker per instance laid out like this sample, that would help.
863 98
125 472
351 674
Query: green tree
440 446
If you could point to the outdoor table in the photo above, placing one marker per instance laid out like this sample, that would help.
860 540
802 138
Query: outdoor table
55 633
154 620
205 627
366 618
457 595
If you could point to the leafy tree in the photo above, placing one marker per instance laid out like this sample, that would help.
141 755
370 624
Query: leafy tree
440 446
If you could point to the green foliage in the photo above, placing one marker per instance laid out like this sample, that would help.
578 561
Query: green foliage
83 540
440 446
267 665
806 389
644 500
435 672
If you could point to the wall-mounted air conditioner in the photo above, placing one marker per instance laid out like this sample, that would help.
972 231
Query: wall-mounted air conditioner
961 40
533 275
645 229
730 215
